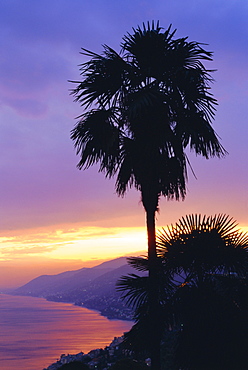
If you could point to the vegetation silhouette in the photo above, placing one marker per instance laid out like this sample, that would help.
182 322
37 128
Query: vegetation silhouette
143 107
215 324
203 294
128 364
74 365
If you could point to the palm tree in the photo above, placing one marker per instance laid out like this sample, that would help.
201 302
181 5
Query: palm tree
202 285
199 246
212 300
143 107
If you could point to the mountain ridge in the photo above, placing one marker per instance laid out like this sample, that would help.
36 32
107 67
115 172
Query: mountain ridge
93 288
67 280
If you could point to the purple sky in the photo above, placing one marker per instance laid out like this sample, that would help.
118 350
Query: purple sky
40 45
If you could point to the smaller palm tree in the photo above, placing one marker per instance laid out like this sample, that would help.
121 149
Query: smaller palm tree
198 246
202 265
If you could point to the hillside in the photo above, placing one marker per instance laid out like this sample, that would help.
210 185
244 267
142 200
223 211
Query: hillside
89 287
45 285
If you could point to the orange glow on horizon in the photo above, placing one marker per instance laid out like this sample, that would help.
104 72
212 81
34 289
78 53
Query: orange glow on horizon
73 243
27 254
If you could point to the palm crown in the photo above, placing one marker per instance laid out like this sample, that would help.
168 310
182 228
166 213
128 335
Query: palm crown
195 249
144 107
198 246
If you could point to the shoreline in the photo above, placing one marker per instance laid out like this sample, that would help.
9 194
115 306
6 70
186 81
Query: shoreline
117 316
42 320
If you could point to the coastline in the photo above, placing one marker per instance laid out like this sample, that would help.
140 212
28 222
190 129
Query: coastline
96 357
111 315
108 311
35 332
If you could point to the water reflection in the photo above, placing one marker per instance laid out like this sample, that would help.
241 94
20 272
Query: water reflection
35 332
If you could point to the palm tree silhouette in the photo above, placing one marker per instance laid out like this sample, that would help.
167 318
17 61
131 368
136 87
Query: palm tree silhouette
213 318
202 285
199 246
143 107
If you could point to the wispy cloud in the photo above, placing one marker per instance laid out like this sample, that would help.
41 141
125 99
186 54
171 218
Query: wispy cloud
44 241
16 251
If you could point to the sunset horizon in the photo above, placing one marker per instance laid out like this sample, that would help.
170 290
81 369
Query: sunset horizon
52 214
119 119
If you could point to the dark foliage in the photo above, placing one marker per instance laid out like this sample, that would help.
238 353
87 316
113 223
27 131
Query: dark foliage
128 364
203 295
75 365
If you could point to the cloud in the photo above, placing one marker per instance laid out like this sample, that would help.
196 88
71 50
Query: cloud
17 251
28 76
58 235
26 107
68 240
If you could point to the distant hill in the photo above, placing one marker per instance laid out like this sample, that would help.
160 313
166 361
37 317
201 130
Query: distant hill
90 287
52 284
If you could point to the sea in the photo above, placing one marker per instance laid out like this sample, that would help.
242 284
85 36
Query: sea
35 332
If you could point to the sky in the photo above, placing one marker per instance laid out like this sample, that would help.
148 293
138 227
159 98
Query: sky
54 217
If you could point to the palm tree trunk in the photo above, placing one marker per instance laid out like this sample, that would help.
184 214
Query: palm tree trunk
153 295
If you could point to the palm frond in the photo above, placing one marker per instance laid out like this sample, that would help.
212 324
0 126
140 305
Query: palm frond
104 77
134 289
96 140
207 244
126 176
139 263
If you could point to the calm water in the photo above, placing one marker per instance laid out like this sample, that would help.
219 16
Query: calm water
35 332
